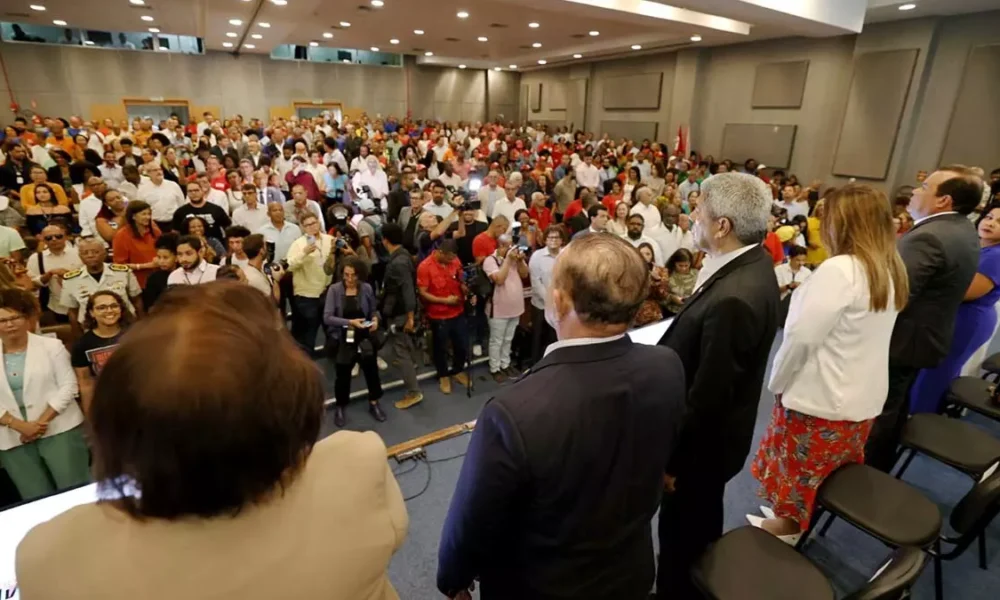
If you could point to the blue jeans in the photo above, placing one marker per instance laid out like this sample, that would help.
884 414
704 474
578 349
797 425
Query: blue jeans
306 319
454 330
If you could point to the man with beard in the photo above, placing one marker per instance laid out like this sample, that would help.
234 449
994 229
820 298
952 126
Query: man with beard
635 237
216 219
192 270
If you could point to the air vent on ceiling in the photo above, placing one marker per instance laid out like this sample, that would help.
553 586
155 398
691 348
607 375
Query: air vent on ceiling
364 8
15 15
578 36
418 49
452 39
525 47
144 7
498 26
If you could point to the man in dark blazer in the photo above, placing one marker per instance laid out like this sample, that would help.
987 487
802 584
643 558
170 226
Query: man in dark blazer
723 335
565 469
941 254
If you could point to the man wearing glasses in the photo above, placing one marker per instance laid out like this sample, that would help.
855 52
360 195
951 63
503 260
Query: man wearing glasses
47 268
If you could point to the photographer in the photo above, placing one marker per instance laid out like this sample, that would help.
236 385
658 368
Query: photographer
440 280
428 240
505 268
398 308
260 277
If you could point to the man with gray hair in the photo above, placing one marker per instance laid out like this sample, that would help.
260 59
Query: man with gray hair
723 335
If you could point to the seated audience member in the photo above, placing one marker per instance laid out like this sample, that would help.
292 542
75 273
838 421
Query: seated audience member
44 210
212 248
48 266
636 237
350 317
166 262
42 447
106 321
192 269
526 514
506 268
110 218
829 376
651 310
441 285
39 176
134 246
245 437
682 280
311 262
793 273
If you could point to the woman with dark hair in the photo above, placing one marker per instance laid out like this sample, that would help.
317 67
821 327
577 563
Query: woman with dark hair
38 175
59 173
41 441
632 180
651 310
111 218
351 319
45 209
213 248
682 279
135 245
106 319
243 464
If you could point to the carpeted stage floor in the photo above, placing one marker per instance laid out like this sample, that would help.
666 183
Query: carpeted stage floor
846 555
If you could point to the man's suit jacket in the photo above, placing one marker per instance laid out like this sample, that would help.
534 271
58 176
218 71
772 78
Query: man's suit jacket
562 476
723 336
941 256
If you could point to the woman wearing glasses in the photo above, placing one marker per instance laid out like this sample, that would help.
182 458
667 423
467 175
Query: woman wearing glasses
106 320
41 439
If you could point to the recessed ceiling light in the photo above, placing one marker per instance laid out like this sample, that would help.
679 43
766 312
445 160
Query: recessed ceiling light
163 49
513 66
328 35
38 7
279 2
345 24
313 44
418 31
146 18
536 45
695 38
428 53
374 48
636 47
257 36
59 22
264 25
154 30
462 14
230 34
497 69
378 3
88 43
595 33
227 44
907 6
235 22
249 46
577 56
461 66
533 25
137 2
482 38
393 41
542 62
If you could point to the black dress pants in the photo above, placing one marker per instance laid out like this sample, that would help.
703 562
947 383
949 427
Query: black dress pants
883 442
342 384
542 334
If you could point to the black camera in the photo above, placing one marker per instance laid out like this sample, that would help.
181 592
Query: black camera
470 201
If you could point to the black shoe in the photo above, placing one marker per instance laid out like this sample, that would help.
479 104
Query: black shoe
512 372
339 418
376 411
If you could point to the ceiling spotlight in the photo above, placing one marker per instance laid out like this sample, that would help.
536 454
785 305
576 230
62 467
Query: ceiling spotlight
533 25
313 44
38 7
393 41
374 48
513 66
461 66
542 62
257 36
418 31
462 14
907 6
249 46
59 22
428 53
636 47
137 2
279 2
227 44
345 24
264 25
536 45
88 43
328 35
378 3
577 56
146 18
235 22
230 34
497 69
595 33
154 30
482 38
696 38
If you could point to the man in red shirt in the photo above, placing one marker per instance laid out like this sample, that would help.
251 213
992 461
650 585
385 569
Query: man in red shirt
299 175
485 243
539 213
440 281
576 207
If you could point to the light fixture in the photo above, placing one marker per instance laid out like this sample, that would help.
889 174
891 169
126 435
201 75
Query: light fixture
428 53
577 56
345 24
313 44
542 62
393 41
374 48
163 49
37 7
497 69
154 30
696 38
235 22
279 2
461 66
513 66
249 46
482 38
907 6
227 44
137 2
230 34
264 25
533 25
256 36
328 35
147 18
418 31
88 43
595 33
536 45
346 60
462 14
59 22
636 47
378 3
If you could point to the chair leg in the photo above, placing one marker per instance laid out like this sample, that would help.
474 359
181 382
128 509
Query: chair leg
822 532
938 574
982 549
906 464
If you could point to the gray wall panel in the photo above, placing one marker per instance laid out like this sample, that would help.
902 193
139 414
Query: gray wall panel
770 145
875 105
780 84
535 93
628 92
556 95
974 131
632 130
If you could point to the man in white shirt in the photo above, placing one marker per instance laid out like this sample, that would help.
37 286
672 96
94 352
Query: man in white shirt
163 196
669 236
437 205
266 283
253 214
793 273
791 203
90 206
192 270
490 193
509 204
587 173
111 171
449 178
440 149
375 178
689 185
279 232
46 268
645 207
635 237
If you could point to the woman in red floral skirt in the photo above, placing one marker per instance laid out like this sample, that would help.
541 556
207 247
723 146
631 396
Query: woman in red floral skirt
830 376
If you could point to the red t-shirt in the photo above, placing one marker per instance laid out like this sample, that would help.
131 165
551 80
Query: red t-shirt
441 281
543 217
483 245
773 245
610 202
575 207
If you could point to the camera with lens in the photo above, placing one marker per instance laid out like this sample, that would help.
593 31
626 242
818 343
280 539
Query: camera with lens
470 199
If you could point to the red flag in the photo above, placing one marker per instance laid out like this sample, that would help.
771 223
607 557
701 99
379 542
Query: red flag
680 145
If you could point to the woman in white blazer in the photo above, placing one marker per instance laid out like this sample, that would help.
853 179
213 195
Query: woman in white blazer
830 376
42 445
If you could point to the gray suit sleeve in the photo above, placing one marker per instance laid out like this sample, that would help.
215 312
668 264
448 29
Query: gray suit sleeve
923 256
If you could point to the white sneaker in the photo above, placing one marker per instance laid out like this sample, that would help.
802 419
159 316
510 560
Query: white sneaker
477 350
768 512
355 370
382 365
758 522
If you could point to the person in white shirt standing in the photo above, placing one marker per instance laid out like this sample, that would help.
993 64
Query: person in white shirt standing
645 207
111 171
192 270
253 214
509 204
47 267
830 375
587 173
162 195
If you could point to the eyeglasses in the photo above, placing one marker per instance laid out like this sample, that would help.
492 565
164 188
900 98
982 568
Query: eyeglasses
11 320
106 308
52 238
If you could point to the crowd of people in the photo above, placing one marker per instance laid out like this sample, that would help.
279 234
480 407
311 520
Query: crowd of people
389 234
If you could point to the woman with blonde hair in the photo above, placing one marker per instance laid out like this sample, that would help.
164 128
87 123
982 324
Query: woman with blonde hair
830 376
618 223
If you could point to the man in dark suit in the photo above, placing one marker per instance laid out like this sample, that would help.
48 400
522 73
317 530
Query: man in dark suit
723 335
565 469
941 254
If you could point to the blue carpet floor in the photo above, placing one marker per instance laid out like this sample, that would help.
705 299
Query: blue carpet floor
846 555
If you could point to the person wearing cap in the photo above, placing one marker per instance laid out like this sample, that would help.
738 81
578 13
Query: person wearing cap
300 175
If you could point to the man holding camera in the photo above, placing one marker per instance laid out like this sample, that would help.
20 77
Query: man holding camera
441 283
506 268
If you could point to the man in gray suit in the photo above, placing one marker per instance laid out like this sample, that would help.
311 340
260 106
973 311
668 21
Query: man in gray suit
941 253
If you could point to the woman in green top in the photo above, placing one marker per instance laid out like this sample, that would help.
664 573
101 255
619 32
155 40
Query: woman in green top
41 435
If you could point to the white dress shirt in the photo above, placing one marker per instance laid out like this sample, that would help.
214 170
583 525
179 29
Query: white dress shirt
786 276
253 217
588 176
794 208
834 360
581 342
650 215
69 260
713 264
164 198
89 208
505 207
203 273
112 175
218 198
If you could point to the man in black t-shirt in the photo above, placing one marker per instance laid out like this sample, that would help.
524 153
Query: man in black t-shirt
216 219
472 229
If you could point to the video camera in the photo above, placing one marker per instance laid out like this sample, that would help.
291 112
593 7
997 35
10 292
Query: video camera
470 201
366 201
